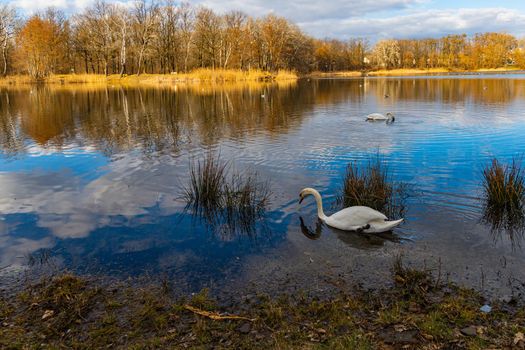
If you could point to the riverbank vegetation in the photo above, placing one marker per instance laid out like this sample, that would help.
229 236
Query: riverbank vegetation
417 311
164 37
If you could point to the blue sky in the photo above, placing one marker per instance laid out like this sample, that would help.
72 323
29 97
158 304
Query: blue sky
373 19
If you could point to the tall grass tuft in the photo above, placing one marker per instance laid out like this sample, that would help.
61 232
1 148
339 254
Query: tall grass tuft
226 199
504 196
504 185
371 185
245 201
206 189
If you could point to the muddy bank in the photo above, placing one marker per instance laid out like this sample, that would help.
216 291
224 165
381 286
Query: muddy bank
416 311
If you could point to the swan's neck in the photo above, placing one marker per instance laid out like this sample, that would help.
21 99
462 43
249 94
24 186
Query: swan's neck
319 201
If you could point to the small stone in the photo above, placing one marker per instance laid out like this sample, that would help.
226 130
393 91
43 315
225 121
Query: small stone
507 299
485 308
245 328
48 314
470 331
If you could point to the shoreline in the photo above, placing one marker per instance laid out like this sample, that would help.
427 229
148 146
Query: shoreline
208 76
65 310
412 72
200 76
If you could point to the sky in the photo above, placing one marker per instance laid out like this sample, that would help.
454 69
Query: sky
371 19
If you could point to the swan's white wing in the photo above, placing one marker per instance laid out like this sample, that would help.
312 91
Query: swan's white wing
376 116
382 226
352 217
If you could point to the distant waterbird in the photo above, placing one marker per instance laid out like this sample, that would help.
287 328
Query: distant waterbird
389 117
357 218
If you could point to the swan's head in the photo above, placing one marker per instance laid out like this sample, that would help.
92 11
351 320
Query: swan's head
305 193
391 116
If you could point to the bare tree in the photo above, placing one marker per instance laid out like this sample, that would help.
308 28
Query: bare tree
186 27
168 40
122 22
8 20
145 15
235 23
95 33
387 53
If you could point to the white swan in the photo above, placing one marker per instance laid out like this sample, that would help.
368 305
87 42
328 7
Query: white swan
378 116
358 218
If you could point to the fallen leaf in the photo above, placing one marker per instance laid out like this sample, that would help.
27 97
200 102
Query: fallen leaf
518 337
48 314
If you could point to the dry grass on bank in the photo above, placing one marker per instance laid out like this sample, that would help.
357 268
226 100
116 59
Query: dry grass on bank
397 72
199 75
342 74
500 69
408 72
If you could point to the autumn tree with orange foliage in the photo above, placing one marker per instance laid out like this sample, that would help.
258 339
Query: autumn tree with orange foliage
37 46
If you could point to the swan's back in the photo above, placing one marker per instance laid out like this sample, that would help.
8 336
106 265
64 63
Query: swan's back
376 116
355 216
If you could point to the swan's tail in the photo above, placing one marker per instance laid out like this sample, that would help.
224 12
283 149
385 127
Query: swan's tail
383 226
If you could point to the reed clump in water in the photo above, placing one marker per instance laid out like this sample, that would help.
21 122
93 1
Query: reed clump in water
205 190
504 196
224 198
371 185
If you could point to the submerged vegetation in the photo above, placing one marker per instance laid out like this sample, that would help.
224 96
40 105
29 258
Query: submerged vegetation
233 201
504 196
372 185
75 312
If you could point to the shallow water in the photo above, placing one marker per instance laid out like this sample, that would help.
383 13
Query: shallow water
91 178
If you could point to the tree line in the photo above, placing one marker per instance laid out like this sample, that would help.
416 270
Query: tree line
165 36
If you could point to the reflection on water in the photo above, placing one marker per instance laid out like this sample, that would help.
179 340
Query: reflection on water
504 223
94 174
356 240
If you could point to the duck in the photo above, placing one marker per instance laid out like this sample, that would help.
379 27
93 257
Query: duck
378 116
357 218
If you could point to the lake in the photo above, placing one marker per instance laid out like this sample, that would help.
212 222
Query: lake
92 179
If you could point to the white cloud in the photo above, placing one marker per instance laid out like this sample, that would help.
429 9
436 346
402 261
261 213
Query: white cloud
71 209
304 10
423 23
373 19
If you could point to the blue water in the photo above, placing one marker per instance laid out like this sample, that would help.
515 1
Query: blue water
94 177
